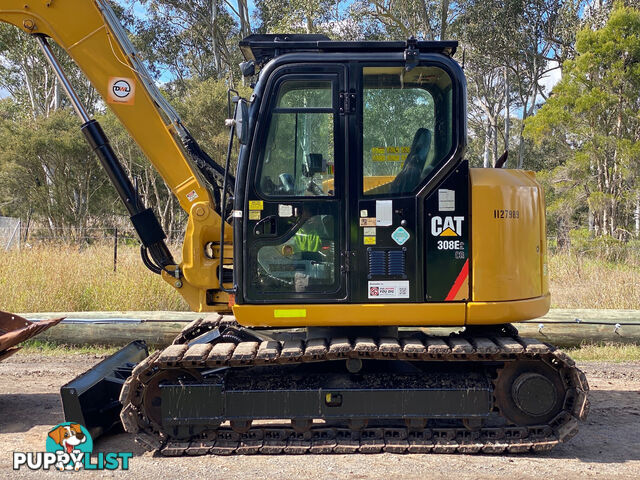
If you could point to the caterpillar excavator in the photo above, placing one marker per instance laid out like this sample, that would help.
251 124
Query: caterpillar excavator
352 226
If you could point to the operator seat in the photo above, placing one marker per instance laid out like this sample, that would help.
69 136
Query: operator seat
411 173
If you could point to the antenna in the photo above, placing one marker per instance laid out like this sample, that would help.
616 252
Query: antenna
464 50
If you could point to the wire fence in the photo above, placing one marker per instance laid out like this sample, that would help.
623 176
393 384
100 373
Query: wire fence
90 235
18 235
10 233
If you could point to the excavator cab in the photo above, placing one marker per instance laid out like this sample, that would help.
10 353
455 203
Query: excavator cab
349 140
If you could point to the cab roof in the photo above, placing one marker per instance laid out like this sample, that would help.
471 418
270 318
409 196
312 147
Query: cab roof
261 48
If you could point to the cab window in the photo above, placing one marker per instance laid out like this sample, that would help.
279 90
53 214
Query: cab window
298 159
406 127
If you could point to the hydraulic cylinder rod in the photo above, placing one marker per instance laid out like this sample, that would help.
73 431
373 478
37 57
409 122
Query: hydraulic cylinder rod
144 220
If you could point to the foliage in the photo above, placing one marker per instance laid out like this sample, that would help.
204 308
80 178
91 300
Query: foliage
47 168
592 123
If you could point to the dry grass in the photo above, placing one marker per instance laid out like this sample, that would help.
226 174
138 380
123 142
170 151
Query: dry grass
68 279
608 352
584 282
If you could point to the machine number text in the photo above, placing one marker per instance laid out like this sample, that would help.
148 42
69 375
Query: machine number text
450 245
506 214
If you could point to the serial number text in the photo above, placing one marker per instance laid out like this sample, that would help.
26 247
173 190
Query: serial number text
506 214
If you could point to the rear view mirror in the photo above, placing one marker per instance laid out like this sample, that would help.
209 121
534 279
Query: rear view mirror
242 121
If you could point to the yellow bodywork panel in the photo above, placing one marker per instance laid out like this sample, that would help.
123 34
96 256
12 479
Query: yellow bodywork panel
508 243
392 314
80 29
351 314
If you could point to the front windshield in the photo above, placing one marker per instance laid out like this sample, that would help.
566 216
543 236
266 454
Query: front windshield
406 127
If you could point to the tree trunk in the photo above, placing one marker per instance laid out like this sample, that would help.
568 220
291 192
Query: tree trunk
507 118
494 132
214 37
487 143
636 216
444 16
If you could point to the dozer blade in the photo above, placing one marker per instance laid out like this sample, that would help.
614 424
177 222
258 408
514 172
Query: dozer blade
15 329
93 398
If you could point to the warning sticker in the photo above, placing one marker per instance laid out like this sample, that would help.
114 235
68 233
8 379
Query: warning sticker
256 205
368 222
254 214
389 154
121 90
192 195
388 289
369 240
285 210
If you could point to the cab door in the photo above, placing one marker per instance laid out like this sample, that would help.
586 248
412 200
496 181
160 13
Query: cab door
294 212
404 139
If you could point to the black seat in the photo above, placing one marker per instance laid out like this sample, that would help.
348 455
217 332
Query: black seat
411 174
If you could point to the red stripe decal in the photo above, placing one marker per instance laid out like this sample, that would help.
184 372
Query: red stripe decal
462 276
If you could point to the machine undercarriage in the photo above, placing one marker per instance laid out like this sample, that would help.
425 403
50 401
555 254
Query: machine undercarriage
283 393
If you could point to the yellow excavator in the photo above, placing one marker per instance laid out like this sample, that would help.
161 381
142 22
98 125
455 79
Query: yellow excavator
352 225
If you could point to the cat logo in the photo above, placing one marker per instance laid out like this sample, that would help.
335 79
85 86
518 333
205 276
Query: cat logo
447 226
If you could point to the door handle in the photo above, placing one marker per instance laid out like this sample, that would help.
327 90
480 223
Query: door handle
266 227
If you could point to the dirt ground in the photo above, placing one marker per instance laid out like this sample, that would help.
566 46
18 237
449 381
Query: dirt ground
608 445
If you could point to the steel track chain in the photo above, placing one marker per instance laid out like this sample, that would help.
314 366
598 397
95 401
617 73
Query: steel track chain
275 439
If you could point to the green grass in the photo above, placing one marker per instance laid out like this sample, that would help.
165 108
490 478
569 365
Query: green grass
41 347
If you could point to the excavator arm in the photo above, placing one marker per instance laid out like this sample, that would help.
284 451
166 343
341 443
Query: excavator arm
100 47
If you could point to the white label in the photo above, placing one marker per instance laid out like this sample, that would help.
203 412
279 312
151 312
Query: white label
397 289
192 195
364 213
384 213
369 231
446 200
237 214
285 210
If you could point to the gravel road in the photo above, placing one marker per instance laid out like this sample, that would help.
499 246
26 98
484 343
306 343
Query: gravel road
608 445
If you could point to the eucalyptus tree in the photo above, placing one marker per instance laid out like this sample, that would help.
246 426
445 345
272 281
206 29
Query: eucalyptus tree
592 118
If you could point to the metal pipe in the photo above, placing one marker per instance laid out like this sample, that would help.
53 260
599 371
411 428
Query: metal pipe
66 85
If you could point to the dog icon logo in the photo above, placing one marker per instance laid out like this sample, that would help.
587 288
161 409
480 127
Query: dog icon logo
72 439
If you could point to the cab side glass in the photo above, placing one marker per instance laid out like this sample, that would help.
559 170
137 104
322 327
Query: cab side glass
306 262
407 127
298 159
